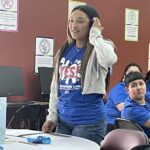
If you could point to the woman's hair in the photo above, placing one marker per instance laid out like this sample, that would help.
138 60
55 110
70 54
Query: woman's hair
90 12
127 68
147 77
107 79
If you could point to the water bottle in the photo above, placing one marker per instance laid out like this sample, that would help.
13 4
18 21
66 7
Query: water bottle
3 101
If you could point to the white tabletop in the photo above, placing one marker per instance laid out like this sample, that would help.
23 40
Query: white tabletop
58 142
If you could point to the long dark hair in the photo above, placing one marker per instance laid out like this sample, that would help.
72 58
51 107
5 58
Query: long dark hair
91 12
127 67
147 77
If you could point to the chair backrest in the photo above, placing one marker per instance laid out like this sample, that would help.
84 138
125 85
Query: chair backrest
29 116
123 139
142 147
45 76
121 123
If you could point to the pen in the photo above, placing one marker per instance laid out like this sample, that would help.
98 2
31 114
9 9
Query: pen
59 134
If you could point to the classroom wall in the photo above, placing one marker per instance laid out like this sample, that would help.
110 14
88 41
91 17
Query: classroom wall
48 18
36 18
113 19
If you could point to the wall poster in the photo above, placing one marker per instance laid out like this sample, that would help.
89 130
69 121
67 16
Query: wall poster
72 4
131 24
9 15
44 53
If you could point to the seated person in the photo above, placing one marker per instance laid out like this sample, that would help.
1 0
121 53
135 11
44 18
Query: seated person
137 106
147 80
116 97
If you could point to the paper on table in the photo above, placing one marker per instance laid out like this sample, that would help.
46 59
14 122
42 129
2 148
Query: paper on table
21 132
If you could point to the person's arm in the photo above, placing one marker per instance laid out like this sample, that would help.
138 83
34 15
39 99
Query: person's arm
52 115
48 126
51 119
103 48
147 124
137 114
117 95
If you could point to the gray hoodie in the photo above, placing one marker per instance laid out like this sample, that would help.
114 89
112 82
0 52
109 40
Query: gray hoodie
102 57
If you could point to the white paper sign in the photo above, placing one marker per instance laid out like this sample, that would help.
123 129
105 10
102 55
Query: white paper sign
72 4
9 15
131 24
44 53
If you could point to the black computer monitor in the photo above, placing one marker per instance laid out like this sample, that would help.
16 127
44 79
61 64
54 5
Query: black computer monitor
11 81
45 76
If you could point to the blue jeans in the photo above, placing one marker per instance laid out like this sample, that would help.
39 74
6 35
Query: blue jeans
95 132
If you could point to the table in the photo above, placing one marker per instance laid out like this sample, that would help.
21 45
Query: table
58 141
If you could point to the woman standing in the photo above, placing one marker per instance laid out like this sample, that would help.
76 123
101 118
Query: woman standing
76 98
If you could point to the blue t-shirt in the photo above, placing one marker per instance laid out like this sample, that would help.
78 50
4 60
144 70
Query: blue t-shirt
74 107
137 113
117 95
148 89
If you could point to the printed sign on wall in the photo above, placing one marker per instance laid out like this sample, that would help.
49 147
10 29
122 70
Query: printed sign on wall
72 4
9 15
131 24
44 52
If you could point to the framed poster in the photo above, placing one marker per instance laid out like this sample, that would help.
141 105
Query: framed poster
44 56
131 24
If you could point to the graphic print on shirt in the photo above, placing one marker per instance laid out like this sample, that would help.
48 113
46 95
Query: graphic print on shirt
69 70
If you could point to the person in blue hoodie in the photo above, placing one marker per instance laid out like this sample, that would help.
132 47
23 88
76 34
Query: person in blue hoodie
117 96
147 80
137 105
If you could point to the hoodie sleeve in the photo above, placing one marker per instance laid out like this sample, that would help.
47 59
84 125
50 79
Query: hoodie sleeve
104 49
52 115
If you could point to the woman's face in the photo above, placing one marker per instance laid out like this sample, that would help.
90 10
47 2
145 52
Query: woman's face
79 25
